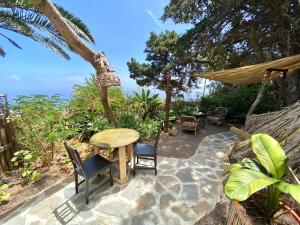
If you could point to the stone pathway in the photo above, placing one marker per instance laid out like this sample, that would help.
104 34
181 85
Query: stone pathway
183 191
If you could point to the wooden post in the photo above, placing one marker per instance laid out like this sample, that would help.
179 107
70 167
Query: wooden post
122 165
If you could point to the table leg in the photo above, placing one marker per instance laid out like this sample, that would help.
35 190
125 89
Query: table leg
130 152
122 164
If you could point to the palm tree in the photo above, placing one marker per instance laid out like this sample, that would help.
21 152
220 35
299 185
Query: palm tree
22 17
97 59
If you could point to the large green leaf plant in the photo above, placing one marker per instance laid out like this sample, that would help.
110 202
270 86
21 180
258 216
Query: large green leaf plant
266 173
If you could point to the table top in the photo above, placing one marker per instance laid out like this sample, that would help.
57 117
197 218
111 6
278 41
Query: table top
114 138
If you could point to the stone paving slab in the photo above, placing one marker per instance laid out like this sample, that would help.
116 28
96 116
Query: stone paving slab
183 191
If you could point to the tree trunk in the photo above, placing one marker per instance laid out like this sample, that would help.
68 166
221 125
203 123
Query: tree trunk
107 109
258 98
48 9
168 92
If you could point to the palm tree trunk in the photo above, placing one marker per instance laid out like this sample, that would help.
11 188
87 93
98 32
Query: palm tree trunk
48 9
107 109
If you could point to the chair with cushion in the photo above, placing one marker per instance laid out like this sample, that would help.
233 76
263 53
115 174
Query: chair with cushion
190 123
87 169
217 116
146 152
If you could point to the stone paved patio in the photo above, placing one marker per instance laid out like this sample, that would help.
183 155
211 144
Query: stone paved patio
183 191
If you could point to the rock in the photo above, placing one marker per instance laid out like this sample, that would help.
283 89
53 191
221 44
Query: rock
173 132
190 192
175 188
165 200
183 211
145 219
185 175
158 188
145 202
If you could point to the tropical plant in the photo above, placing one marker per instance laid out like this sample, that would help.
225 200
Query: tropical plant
4 196
22 17
25 159
265 174
147 102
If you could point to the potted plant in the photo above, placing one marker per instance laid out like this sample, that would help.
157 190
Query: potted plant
262 178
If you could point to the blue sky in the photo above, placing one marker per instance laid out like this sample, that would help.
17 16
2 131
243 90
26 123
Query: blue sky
120 29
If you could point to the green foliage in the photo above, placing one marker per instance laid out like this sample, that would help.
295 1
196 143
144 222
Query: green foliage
85 111
147 102
25 159
40 121
4 196
238 100
129 119
249 38
25 19
167 68
148 128
164 58
43 122
264 174
270 154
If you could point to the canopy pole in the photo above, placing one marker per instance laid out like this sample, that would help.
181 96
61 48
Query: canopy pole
259 95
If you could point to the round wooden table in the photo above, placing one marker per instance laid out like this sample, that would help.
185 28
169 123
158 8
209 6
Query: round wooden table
121 138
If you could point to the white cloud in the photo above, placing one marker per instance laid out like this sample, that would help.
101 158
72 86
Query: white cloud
13 77
155 19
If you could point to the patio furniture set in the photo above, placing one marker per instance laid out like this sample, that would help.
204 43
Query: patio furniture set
122 140
192 122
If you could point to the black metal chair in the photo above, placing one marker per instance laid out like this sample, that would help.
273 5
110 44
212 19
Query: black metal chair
146 152
87 169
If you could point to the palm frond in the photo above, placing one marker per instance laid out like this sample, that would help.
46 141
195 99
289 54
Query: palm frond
21 16
50 44
13 23
2 52
11 41
22 4
77 24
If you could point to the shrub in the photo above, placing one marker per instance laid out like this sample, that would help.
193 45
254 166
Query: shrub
85 111
129 119
4 196
238 100
40 122
86 97
148 128
25 159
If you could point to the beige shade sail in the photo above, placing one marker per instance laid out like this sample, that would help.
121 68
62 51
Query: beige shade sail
253 73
